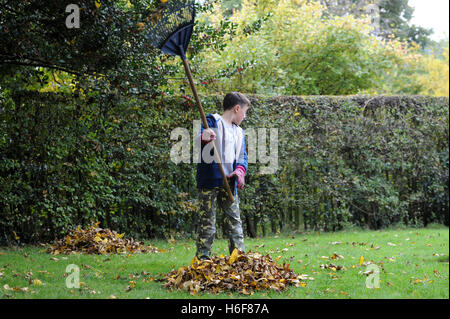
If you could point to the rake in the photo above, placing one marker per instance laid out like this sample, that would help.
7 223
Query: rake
171 34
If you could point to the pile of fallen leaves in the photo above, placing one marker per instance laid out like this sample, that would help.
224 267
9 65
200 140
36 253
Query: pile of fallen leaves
243 272
96 240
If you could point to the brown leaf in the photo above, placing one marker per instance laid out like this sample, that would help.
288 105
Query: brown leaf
95 240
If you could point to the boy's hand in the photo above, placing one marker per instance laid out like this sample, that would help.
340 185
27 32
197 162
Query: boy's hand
240 173
208 135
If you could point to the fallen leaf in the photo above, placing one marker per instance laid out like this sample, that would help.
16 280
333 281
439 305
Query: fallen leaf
391 244
37 282
131 285
336 256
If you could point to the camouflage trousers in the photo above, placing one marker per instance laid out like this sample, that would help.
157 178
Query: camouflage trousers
206 228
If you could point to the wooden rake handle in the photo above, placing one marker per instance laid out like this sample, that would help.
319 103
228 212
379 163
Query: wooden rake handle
205 124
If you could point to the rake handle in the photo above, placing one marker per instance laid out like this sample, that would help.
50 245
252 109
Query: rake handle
205 124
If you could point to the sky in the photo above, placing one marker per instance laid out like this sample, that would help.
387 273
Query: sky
431 14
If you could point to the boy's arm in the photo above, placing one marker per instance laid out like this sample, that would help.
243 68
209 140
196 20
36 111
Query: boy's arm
241 165
243 158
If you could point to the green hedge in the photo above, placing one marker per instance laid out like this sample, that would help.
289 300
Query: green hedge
356 160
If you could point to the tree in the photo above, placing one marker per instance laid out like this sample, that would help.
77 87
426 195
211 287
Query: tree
298 50
395 16
110 43
435 81
389 17
109 52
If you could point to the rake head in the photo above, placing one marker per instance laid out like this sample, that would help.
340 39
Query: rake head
173 29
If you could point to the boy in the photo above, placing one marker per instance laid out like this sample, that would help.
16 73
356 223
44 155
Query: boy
229 140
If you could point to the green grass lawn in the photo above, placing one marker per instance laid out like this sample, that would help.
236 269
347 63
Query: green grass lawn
413 263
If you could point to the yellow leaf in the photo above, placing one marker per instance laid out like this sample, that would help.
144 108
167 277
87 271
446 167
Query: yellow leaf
303 284
15 236
37 282
194 260
233 256
97 3
361 260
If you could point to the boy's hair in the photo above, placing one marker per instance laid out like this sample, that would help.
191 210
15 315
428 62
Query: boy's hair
233 98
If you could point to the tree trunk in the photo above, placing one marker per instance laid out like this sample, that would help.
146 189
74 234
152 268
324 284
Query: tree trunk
250 226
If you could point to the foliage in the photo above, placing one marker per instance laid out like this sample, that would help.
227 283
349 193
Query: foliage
389 18
395 16
415 73
359 160
435 81
297 50
109 49
109 53
95 240
243 272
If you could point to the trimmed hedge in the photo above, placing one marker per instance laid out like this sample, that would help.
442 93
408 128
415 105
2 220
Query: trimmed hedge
353 160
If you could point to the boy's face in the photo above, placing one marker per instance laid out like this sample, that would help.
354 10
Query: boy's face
239 113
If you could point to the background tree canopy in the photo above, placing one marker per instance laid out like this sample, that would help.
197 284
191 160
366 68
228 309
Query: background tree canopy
109 44
264 46
308 48
109 52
